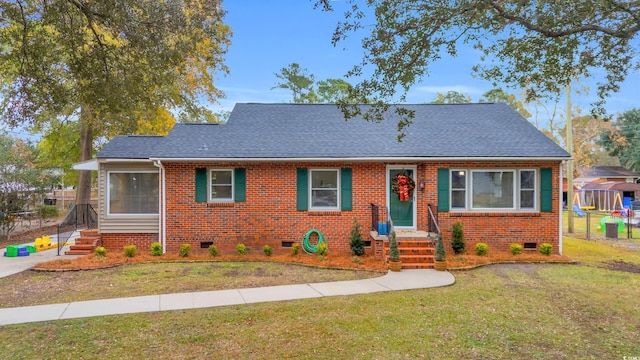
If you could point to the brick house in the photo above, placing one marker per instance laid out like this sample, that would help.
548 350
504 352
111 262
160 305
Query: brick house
275 171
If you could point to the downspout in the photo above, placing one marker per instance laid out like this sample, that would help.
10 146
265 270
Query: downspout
561 209
162 219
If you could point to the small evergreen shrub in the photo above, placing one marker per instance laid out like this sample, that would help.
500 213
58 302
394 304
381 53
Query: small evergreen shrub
295 249
156 249
213 250
356 260
100 252
267 250
184 250
516 249
482 249
457 238
357 242
241 249
546 249
440 251
394 253
322 249
130 251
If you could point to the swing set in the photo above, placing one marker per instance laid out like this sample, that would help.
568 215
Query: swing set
596 199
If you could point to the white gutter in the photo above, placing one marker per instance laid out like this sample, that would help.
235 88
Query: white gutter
162 219
561 229
119 160
356 159
86 165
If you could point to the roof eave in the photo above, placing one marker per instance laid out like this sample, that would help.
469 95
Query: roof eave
363 159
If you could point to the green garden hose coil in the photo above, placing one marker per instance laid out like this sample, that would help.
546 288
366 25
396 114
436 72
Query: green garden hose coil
311 248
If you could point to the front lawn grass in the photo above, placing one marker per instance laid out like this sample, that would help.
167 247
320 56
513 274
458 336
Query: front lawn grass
531 311
138 279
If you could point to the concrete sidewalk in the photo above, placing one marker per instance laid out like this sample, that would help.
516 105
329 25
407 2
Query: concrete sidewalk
392 281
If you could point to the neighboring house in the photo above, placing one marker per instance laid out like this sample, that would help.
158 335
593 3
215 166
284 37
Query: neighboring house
275 171
606 173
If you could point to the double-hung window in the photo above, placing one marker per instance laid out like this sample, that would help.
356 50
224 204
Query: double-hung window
325 189
132 193
528 189
221 189
459 189
493 189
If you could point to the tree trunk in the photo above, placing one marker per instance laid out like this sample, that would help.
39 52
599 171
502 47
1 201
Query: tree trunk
83 192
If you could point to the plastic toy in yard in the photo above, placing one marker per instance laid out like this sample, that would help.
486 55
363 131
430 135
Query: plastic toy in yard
16 250
612 219
42 243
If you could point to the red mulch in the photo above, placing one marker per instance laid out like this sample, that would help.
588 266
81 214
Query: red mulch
112 259
367 262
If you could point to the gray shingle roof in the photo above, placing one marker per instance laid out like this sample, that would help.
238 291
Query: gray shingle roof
130 147
609 171
320 131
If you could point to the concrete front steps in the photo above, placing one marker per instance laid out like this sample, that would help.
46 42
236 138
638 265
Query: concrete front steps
86 243
417 249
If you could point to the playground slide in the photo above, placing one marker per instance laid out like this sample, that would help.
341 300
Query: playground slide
578 211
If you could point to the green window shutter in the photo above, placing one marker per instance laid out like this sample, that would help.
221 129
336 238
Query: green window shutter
546 190
443 189
302 181
346 189
201 185
240 184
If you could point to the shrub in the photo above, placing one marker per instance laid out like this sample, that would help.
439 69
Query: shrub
516 249
322 249
482 249
130 251
156 249
267 250
457 238
295 249
356 260
546 249
357 242
184 250
440 251
47 211
241 249
213 250
100 251
394 253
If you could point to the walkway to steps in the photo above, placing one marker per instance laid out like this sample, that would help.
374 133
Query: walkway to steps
392 281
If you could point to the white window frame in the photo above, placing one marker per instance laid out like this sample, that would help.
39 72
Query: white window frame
535 190
311 189
108 192
517 190
513 194
209 182
466 188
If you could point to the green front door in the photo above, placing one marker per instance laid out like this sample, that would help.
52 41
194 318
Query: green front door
401 211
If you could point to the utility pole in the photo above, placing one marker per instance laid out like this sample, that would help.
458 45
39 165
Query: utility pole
569 144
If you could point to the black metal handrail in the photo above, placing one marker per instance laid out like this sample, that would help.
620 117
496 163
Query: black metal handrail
432 224
80 215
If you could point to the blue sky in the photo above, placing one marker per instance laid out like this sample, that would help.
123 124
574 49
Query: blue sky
269 35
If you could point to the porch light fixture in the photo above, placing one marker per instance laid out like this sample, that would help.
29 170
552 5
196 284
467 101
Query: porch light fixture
421 184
